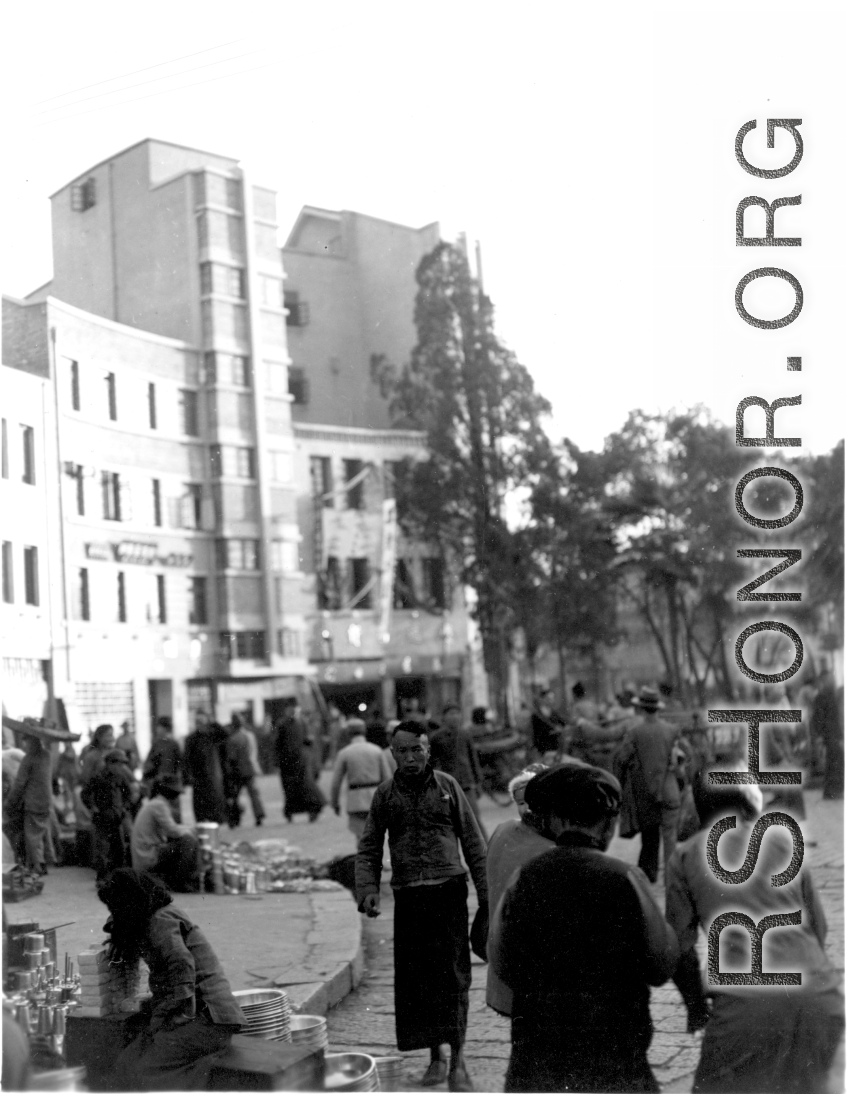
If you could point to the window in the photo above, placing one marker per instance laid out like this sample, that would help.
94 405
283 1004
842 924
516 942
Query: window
4 450
227 368
197 610
161 605
238 554
404 589
320 469
73 371
83 595
111 396
247 645
329 588
189 404
282 466
359 582
192 506
433 582
110 482
289 642
78 475
8 574
151 406
271 291
31 575
355 494
28 444
298 386
231 462
285 556
121 597
298 310
83 195
157 503
223 280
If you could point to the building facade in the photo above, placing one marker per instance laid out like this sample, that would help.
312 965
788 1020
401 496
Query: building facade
225 528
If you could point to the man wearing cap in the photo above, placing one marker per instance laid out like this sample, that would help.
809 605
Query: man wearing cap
160 845
650 762
365 766
578 939
427 818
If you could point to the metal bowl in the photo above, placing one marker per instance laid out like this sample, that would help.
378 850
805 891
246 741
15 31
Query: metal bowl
349 1071
302 1022
250 998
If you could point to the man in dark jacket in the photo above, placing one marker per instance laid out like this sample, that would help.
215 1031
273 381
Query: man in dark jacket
30 800
110 795
427 817
578 939
451 749
240 774
203 767
164 760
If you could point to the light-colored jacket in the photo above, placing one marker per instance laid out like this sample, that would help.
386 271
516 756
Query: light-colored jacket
364 765
153 828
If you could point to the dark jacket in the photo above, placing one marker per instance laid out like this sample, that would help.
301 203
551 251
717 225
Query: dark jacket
453 751
186 977
203 768
426 819
571 940
109 797
164 758
32 789
239 766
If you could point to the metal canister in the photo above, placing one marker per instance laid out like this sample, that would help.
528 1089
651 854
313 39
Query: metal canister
250 887
23 980
22 1016
59 1018
242 881
32 958
33 942
45 1021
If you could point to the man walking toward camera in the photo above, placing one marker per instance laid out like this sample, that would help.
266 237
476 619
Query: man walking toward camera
427 818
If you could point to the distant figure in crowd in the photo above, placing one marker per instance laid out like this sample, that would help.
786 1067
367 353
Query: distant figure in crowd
67 772
203 766
296 766
337 725
411 710
578 939
828 727
164 758
513 844
582 706
364 766
240 774
451 749
189 1020
649 767
110 796
375 731
160 845
427 818
546 726
93 756
28 806
128 744
770 1038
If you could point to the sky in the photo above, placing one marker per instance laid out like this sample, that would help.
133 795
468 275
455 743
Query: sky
590 149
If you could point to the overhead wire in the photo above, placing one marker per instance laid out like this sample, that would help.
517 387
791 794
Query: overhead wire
143 83
136 71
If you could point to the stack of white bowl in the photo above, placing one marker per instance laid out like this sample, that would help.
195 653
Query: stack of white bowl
267 1011
309 1030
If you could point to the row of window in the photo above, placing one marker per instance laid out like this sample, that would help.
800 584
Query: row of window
244 554
30 575
250 645
115 608
26 450
102 398
344 586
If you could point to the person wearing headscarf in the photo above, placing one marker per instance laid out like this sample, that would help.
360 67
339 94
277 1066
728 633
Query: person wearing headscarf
773 1038
192 1014
513 844
578 939
94 754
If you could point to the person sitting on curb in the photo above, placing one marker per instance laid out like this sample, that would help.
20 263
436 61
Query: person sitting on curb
161 846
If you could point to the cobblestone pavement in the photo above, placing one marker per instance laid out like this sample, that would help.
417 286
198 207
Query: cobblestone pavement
365 1019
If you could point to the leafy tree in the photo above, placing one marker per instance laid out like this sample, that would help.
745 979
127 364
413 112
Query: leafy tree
482 417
